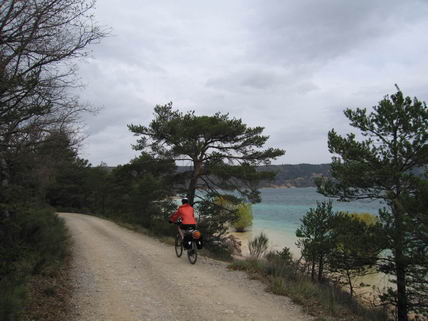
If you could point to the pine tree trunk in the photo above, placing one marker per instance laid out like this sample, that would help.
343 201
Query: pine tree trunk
4 181
351 288
313 271
103 204
320 268
400 266
191 190
401 288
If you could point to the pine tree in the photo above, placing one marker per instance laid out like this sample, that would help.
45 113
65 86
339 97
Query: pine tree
223 151
384 165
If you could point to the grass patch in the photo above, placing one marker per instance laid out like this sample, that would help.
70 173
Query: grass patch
322 300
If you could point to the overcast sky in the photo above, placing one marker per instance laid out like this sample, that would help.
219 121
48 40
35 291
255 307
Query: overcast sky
289 66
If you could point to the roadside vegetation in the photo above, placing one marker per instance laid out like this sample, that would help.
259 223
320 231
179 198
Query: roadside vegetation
326 301
39 44
335 248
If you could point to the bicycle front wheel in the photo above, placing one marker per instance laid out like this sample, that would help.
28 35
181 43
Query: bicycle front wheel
192 254
178 246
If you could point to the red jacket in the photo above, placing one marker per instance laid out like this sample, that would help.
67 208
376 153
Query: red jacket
186 213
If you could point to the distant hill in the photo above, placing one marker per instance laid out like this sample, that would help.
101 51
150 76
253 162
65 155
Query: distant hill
300 175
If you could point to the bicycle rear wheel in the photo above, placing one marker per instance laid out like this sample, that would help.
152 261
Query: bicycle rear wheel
178 246
192 254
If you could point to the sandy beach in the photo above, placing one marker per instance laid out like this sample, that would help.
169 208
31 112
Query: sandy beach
277 241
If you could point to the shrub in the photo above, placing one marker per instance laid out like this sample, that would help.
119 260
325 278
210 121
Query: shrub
283 255
216 215
245 217
32 241
258 246
281 264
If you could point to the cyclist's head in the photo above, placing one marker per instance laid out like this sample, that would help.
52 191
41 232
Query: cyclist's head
185 201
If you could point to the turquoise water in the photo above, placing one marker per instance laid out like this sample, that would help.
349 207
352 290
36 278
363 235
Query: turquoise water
281 209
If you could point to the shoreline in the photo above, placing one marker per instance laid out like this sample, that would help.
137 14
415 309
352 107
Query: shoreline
277 240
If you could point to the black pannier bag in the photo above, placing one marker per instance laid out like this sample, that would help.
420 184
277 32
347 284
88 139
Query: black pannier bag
187 242
199 243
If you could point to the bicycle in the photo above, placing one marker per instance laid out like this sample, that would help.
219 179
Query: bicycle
192 237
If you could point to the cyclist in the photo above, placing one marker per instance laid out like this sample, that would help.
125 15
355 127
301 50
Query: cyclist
187 215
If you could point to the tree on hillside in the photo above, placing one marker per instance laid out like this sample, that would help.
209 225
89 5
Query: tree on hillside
357 243
223 151
382 166
315 236
417 274
39 40
138 191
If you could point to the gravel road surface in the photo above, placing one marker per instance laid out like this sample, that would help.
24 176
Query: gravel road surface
121 275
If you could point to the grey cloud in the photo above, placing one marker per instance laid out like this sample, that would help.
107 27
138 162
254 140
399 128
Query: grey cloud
245 79
113 146
264 78
316 31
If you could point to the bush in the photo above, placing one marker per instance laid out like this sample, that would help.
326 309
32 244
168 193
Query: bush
258 246
32 241
245 217
217 214
281 264
283 255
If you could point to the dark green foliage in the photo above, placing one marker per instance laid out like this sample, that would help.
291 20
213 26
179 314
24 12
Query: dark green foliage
416 251
356 246
283 255
223 151
418 271
96 182
138 191
215 219
385 165
281 264
338 242
32 240
69 191
316 238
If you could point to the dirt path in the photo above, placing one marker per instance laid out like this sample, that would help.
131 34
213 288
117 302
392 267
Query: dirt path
121 275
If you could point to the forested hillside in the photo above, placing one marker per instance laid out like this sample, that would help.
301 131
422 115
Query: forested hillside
300 175
287 175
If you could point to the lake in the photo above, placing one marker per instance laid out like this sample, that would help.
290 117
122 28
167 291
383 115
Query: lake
281 209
